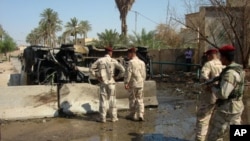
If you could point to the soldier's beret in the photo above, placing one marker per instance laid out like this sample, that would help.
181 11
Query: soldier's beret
132 50
108 49
211 51
227 49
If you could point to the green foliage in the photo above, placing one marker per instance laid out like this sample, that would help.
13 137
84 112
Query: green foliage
109 38
45 33
36 36
2 32
84 28
113 38
74 27
124 6
145 39
7 44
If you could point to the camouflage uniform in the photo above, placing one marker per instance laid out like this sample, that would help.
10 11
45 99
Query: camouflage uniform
210 70
229 105
103 69
135 76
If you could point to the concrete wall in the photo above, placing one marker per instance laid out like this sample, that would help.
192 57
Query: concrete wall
168 55
192 20
238 3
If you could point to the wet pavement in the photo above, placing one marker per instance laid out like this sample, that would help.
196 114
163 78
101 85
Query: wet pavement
173 120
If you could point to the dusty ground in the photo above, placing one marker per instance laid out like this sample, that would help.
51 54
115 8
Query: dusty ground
6 68
173 120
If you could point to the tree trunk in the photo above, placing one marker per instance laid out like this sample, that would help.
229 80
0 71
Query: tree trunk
124 27
84 37
75 38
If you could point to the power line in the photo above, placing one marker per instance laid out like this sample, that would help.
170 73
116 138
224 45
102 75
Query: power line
145 17
136 13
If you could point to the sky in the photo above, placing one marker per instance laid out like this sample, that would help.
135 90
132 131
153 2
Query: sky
19 17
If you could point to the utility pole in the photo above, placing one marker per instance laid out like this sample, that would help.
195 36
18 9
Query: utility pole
136 14
167 14
136 21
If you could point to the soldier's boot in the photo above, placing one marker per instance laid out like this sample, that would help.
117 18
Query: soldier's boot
113 114
114 119
141 118
101 120
131 116
200 138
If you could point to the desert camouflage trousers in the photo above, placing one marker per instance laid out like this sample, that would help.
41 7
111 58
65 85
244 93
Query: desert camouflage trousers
107 101
136 104
203 119
205 110
220 123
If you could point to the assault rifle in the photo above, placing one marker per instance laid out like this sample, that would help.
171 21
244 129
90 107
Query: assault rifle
211 81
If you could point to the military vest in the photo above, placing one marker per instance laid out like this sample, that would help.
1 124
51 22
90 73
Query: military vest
239 88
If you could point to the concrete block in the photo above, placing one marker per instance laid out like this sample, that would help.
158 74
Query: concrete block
150 98
84 98
15 79
79 98
28 102
10 79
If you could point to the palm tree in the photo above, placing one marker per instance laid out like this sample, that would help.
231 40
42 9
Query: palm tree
72 27
108 38
145 39
43 34
51 23
124 6
35 37
84 28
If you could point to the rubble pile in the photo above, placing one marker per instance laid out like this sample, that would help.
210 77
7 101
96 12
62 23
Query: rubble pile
177 77
189 91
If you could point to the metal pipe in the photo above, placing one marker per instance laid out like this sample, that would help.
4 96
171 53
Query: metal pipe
161 71
173 63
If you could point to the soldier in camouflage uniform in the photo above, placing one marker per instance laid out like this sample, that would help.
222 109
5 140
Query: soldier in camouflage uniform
134 78
211 69
103 69
229 92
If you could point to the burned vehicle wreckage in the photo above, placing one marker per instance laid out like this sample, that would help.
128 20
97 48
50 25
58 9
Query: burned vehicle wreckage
69 63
